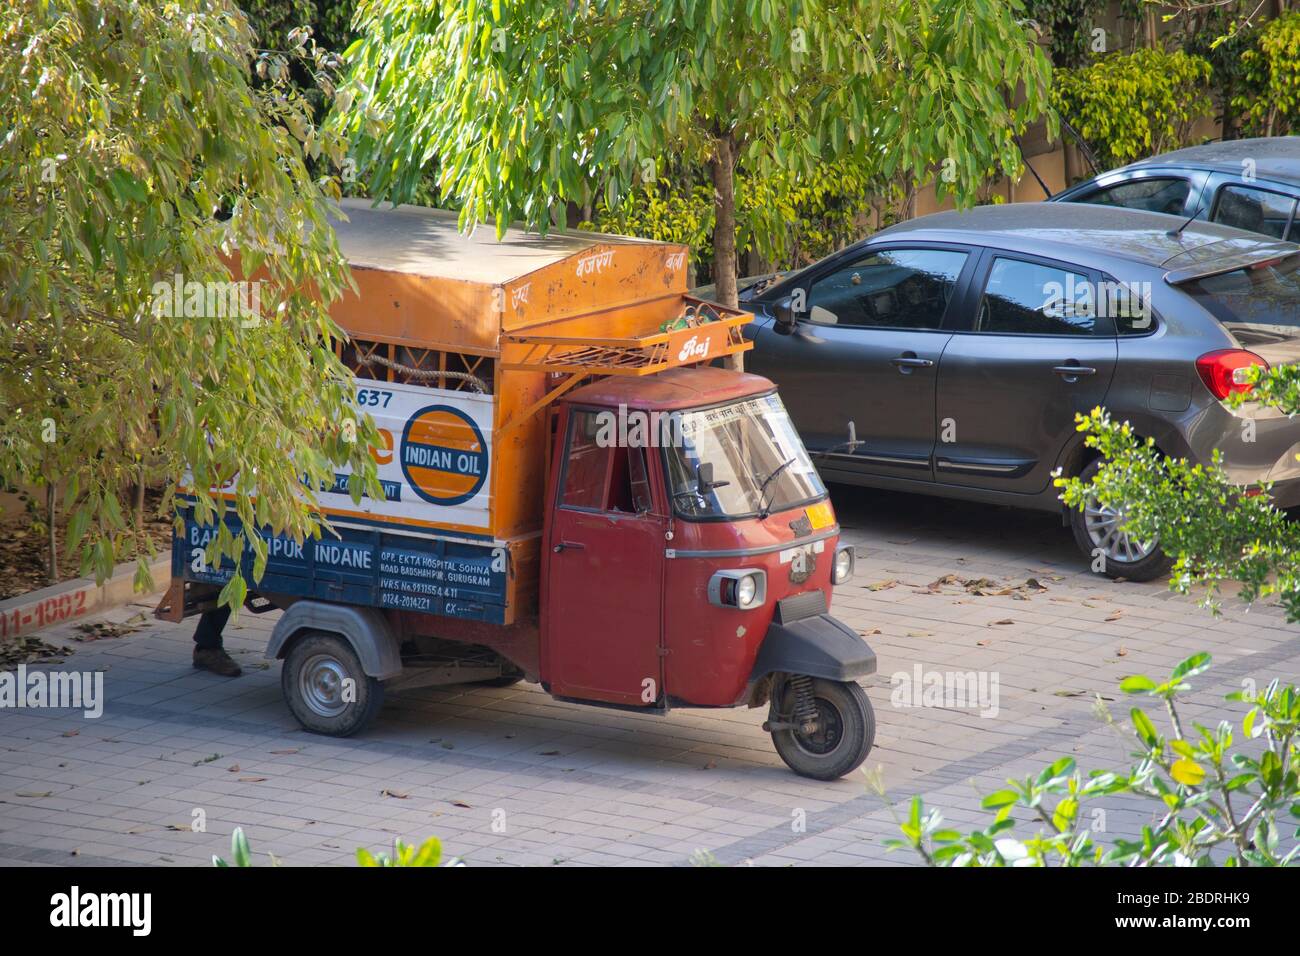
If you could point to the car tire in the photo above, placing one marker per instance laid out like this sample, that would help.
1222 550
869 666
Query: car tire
1145 565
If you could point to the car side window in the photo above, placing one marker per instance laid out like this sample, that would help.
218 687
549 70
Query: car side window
1257 210
1153 194
1029 298
890 289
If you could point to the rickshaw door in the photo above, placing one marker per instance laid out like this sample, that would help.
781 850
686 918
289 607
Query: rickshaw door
604 557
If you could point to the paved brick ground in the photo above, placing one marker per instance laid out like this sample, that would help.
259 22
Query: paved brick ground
574 785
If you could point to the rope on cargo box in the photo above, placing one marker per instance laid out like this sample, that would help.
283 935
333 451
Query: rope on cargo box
425 374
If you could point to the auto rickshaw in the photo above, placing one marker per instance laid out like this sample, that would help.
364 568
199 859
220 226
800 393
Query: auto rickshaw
573 496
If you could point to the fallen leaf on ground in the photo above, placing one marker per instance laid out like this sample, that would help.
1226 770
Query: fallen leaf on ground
881 585
106 630
31 649
395 794
252 780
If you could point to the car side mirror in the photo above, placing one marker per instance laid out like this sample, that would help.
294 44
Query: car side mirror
783 312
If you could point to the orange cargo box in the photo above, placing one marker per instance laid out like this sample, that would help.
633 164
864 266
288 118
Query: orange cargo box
460 341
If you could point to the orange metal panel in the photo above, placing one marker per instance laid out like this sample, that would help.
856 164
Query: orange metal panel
599 279
420 311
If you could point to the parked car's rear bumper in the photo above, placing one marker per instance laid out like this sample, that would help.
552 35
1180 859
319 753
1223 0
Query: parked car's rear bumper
1257 445
1286 494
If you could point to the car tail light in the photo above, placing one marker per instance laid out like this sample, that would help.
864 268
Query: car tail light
1227 371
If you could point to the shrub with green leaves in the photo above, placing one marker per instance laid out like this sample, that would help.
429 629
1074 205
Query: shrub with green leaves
428 853
1213 803
1127 106
1270 102
789 219
1215 532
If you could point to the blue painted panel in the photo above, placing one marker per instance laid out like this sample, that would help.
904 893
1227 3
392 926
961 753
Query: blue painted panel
371 567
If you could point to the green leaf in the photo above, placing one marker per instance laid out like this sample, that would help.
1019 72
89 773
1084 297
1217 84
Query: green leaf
1137 684
1146 730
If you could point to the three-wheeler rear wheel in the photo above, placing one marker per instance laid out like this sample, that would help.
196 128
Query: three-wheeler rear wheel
822 729
326 687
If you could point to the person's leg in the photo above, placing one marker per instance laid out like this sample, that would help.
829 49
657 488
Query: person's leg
209 654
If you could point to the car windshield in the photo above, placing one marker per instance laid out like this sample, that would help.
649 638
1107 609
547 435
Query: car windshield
1258 304
759 463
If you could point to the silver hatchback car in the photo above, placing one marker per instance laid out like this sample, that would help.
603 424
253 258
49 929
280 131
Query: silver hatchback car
950 354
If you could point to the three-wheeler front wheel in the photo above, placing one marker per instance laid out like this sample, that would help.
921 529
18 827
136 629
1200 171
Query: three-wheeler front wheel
822 729
326 688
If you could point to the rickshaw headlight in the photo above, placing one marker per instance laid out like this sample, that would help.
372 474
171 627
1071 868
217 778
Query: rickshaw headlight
746 589
743 589
843 569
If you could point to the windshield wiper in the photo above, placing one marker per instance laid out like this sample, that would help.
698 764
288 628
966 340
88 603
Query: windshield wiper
763 512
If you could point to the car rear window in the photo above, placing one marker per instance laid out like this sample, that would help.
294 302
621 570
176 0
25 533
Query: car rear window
1258 304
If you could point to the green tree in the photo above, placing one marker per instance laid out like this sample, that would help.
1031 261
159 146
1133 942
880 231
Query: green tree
141 159
273 20
527 105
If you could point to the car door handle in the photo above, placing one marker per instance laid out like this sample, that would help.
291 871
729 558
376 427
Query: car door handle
911 361
569 545
1073 371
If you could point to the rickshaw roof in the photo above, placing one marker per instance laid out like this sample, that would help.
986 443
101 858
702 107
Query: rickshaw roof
672 389
428 242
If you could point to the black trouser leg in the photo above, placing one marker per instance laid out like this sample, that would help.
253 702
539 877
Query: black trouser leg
211 624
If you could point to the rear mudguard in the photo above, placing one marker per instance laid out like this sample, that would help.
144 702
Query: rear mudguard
364 628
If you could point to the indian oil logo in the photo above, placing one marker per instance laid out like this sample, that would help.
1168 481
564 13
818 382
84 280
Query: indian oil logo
444 456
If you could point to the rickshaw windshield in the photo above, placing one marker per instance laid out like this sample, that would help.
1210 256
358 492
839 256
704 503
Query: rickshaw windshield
759 463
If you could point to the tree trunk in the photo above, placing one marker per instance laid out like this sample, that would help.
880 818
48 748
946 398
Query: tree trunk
722 167
139 500
52 535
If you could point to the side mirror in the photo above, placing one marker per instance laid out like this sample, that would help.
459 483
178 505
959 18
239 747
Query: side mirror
783 311
704 482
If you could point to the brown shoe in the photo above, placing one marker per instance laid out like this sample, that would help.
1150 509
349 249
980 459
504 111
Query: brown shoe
216 659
